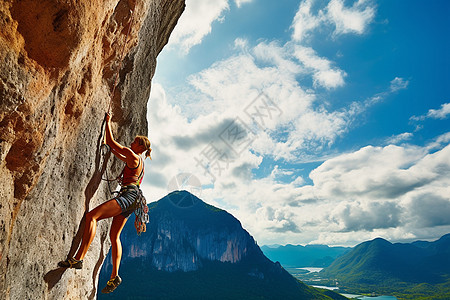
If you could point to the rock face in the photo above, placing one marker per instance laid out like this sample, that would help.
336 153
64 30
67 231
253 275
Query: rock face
58 67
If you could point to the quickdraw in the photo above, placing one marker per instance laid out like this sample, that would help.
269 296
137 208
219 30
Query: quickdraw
141 213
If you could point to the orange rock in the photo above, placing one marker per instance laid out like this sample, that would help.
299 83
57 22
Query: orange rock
58 64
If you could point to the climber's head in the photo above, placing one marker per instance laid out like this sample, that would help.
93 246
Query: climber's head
140 145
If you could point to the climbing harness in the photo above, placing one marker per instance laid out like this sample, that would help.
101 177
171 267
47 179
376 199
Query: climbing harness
141 208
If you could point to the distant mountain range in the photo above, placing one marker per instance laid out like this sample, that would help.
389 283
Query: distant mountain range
416 262
304 256
419 267
193 250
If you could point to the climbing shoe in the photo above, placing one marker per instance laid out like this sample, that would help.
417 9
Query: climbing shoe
71 263
112 284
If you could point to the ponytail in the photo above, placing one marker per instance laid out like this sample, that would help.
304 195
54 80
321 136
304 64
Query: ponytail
143 140
147 153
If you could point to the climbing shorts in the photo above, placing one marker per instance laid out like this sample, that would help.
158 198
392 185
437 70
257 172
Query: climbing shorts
128 199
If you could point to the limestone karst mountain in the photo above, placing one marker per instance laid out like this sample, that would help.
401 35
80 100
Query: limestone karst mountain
58 63
193 250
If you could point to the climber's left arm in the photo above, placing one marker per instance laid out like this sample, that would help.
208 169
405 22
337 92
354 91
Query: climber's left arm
122 152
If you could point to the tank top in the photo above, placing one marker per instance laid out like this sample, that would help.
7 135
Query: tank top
132 176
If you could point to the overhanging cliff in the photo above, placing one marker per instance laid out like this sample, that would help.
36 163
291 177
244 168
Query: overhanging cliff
58 64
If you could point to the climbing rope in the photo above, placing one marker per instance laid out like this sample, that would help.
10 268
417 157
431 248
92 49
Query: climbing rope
105 149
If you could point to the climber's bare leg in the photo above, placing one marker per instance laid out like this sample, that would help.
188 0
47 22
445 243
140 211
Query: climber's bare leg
116 247
106 210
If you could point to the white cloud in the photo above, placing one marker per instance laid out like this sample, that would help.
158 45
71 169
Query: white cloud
370 192
370 172
375 191
398 84
366 216
303 127
304 21
345 20
399 138
381 191
378 174
360 195
241 44
441 140
231 85
395 85
350 20
441 113
196 22
240 2
324 74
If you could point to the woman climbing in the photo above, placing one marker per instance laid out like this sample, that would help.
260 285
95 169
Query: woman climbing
118 208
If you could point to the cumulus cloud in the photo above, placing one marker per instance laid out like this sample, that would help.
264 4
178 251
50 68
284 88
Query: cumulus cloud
345 20
430 210
241 44
374 191
377 172
439 142
196 22
304 21
386 181
350 20
197 145
366 216
279 220
377 190
441 113
323 73
232 86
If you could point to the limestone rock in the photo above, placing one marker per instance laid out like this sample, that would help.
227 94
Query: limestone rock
183 232
58 67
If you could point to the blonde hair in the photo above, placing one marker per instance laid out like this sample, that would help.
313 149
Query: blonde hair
143 140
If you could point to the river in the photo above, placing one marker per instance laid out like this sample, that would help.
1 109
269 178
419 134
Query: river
351 296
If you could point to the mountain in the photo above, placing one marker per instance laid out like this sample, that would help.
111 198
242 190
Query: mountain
304 256
193 250
383 266
59 61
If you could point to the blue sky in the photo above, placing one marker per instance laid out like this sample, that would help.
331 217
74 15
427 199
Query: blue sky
316 121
